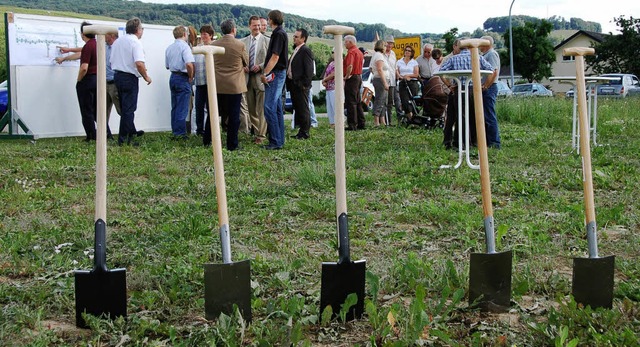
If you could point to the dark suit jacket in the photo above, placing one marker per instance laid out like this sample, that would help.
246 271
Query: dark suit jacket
301 69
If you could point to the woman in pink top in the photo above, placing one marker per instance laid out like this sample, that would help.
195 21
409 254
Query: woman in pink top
329 82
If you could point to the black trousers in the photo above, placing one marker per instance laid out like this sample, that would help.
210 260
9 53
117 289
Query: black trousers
300 100
353 102
86 91
229 106
451 126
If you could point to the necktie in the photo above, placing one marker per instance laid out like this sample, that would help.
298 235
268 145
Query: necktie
252 52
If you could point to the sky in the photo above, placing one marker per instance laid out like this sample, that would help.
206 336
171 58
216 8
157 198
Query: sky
423 16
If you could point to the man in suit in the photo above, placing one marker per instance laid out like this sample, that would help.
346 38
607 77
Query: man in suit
256 44
230 83
299 75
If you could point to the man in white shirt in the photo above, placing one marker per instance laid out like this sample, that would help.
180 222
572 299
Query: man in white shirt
128 63
426 64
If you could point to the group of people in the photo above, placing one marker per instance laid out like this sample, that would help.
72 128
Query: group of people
250 77
125 64
397 81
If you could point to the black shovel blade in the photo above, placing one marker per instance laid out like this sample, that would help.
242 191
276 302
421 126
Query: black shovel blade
340 280
593 281
100 293
490 281
226 285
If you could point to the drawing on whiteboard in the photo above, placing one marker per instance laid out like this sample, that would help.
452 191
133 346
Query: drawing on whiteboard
35 44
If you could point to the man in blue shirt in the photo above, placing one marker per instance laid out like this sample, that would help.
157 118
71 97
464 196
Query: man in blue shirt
180 61
490 94
460 61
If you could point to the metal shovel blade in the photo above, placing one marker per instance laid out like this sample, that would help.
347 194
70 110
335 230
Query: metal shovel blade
340 280
490 281
593 281
100 291
226 285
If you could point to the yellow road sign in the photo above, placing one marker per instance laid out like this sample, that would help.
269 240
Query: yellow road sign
402 42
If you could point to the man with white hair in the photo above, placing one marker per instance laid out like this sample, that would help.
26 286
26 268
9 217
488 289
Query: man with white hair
352 66
128 63
490 93
426 64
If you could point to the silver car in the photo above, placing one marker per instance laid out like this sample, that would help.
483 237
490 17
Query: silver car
530 89
623 85
503 89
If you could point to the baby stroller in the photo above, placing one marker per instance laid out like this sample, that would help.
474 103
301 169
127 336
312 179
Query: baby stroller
428 105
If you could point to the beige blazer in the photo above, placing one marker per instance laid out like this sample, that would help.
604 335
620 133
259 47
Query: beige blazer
261 54
230 66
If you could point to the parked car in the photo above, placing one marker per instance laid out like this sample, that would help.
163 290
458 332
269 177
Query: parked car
624 85
504 90
4 98
569 93
530 89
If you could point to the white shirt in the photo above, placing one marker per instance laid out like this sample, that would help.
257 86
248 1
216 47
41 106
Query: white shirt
391 62
378 56
125 52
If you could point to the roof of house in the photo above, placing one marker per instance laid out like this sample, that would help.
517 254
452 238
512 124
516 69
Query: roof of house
598 37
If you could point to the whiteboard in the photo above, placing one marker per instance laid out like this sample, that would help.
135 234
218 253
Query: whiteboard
43 93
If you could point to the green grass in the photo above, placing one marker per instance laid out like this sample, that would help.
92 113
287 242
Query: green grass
414 223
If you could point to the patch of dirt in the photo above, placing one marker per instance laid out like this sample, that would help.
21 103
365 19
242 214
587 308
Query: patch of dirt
615 232
63 329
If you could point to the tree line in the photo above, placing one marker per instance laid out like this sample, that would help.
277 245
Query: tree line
501 24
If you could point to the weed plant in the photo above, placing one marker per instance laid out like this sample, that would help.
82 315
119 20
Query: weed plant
414 223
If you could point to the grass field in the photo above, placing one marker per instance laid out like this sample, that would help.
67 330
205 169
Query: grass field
414 223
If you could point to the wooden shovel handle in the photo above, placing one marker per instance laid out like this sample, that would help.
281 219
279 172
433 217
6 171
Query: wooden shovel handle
578 51
474 43
341 171
585 148
485 181
100 29
101 129
341 181
338 30
218 163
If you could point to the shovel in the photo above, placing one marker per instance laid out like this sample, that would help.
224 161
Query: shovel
592 283
489 273
228 284
346 276
100 291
